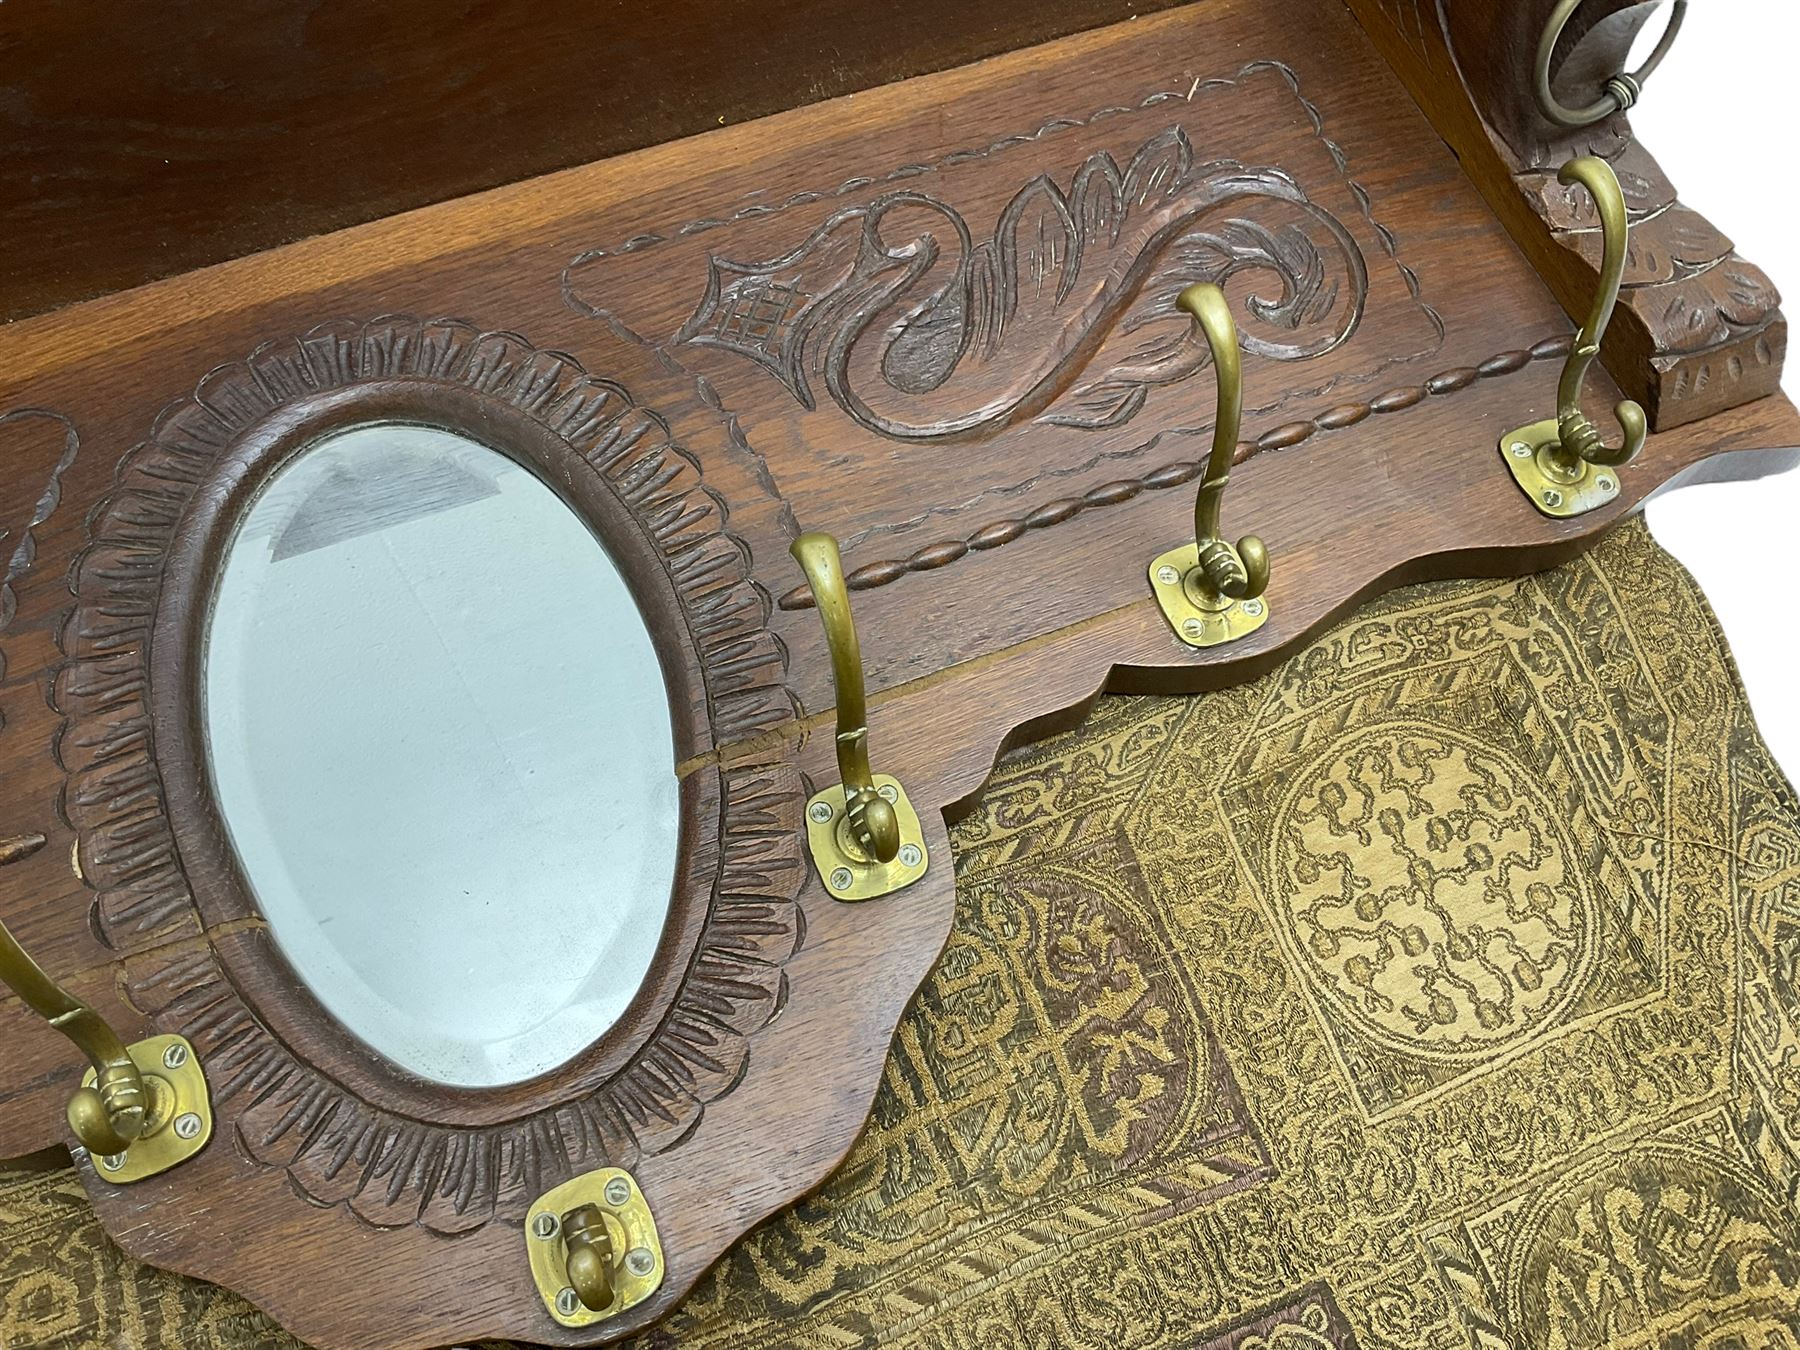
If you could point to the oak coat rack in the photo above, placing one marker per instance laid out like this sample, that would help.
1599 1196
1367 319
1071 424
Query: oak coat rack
937 320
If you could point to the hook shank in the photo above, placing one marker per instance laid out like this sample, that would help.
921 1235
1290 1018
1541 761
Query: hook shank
873 822
1241 573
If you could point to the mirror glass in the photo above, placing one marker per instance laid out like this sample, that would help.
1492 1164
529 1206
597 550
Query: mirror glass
441 744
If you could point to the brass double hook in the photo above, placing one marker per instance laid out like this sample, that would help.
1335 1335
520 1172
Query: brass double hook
1564 464
142 1108
864 835
1211 590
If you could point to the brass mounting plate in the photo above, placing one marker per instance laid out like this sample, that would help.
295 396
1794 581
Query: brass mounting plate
639 1269
846 872
1526 452
180 1120
1198 618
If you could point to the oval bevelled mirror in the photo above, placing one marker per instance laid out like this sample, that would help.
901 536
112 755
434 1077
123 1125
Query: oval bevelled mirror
441 745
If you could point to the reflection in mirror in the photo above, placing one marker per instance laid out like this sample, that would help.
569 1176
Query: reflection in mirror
442 748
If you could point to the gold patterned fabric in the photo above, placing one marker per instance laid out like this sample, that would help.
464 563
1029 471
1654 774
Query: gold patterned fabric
1437 990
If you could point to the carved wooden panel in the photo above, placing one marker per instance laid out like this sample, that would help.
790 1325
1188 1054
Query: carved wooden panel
1021 293
935 320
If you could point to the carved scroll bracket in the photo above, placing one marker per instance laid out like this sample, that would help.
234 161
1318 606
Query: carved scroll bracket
1699 329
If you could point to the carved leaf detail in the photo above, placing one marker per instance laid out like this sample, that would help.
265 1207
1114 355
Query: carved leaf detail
994 331
1746 295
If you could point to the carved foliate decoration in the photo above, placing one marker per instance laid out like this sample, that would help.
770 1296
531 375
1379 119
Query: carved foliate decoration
935 317
918 332
339 1142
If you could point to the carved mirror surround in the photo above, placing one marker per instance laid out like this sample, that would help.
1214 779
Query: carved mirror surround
303 582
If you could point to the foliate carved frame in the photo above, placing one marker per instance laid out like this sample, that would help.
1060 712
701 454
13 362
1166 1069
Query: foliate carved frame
299 1092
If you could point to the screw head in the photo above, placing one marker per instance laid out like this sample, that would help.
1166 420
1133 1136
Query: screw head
1193 627
187 1125
175 1056
1167 575
888 792
841 878
910 855
1605 483
1253 607
640 1261
1520 449
567 1301
112 1162
618 1191
545 1225
819 811
1552 497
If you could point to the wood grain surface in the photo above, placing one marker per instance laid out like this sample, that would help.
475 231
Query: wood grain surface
935 319
141 140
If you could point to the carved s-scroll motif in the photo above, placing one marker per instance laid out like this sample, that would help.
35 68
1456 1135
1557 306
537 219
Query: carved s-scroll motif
918 332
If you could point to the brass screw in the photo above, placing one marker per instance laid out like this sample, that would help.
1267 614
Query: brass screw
1193 627
841 878
187 1125
175 1056
1552 497
1167 575
820 811
1520 449
618 1192
112 1162
567 1301
888 792
545 1226
639 1261
1604 483
910 855
1253 607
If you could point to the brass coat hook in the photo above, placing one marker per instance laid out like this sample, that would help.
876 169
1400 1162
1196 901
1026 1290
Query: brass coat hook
142 1108
1210 590
863 833
593 1247
1564 464
1622 90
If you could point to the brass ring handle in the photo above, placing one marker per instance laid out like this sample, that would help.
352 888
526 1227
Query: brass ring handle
1622 90
109 1116
873 823
1241 573
591 1258
1580 439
